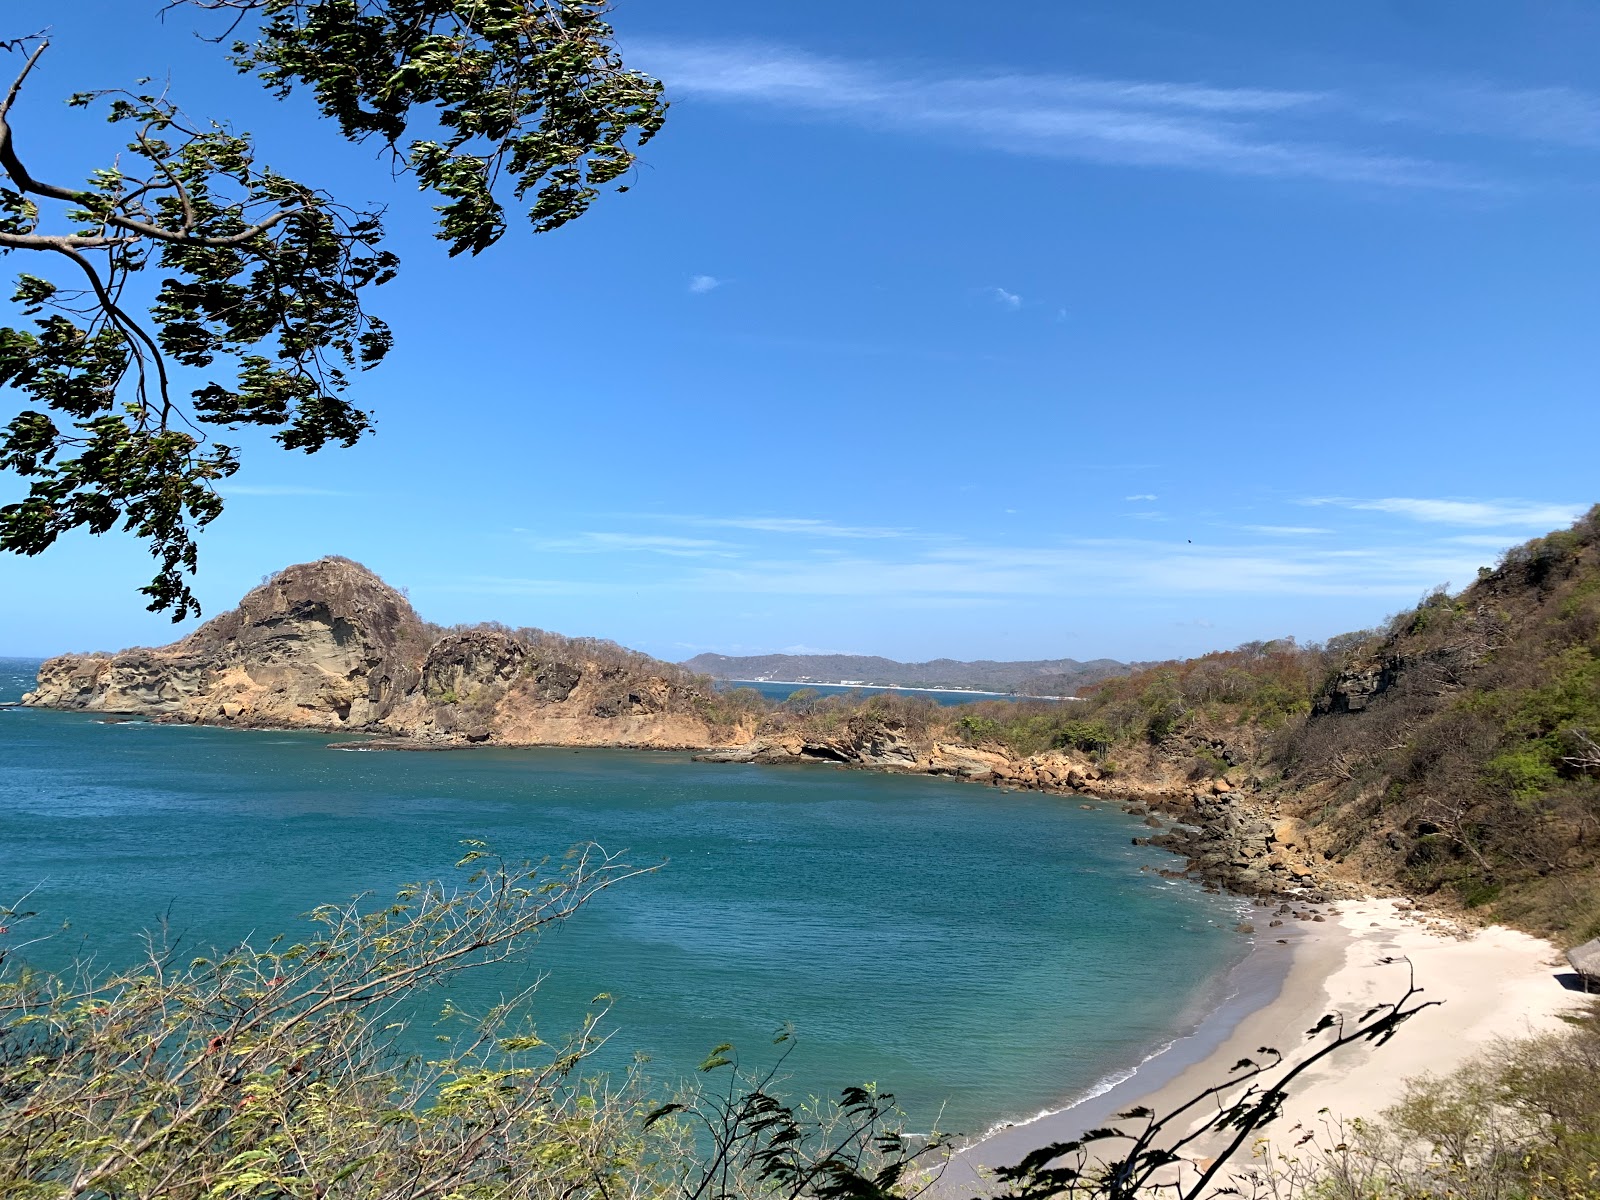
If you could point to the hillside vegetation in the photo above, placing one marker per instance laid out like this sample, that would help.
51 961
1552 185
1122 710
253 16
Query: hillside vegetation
1455 750
1458 750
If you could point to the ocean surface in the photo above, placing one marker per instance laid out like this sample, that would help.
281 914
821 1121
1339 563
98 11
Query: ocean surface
983 953
782 691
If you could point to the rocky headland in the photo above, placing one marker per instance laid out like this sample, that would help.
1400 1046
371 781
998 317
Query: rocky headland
329 646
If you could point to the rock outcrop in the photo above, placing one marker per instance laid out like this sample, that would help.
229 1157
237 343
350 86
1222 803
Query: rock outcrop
330 646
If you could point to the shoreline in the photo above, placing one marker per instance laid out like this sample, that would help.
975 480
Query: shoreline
1495 983
899 687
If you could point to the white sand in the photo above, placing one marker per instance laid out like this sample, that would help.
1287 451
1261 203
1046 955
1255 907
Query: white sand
1494 983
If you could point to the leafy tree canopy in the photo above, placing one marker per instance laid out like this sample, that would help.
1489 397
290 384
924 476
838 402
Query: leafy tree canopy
187 286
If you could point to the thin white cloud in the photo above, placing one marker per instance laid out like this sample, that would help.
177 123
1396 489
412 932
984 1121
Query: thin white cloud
1285 530
1141 496
946 571
1493 541
1233 130
1553 115
652 541
1005 299
805 526
699 285
501 585
1138 567
604 542
1509 514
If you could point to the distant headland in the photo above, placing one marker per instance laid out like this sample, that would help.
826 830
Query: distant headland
1037 677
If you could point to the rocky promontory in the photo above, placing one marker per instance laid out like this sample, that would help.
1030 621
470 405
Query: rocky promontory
330 646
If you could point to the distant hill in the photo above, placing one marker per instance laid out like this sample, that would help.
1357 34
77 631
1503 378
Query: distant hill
1042 677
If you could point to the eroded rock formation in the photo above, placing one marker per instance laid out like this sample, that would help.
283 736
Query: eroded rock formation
329 646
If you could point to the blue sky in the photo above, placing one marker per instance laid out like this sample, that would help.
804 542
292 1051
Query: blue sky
1032 330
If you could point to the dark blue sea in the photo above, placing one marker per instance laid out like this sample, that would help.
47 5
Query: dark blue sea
992 953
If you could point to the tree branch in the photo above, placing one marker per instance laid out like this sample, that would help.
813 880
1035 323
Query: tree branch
16 84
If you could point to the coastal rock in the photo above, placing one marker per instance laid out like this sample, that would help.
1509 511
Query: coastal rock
970 763
322 644
328 645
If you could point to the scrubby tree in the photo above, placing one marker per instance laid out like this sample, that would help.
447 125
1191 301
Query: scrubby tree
278 1070
186 287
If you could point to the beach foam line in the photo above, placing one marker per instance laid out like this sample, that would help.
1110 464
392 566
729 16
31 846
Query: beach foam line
1495 982
1102 1086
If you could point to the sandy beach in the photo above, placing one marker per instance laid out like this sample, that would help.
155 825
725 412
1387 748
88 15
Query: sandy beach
1493 983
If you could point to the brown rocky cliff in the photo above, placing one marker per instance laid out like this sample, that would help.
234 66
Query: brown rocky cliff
330 646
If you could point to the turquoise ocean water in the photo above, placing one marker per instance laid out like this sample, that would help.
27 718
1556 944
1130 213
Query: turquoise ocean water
988 952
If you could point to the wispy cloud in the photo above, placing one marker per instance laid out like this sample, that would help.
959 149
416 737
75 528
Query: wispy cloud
806 526
1492 541
1141 496
505 585
699 285
1553 116
1140 567
1005 299
1506 514
796 557
603 542
1234 130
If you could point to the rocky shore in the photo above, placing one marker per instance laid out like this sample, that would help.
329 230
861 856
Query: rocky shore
1231 832
328 646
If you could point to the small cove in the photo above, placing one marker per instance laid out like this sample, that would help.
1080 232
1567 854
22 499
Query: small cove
985 952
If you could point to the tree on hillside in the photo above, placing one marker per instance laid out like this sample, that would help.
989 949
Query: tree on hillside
186 286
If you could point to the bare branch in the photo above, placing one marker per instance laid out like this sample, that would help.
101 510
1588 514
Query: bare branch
22 76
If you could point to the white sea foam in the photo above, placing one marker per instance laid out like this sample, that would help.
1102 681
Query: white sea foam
1115 1079
1095 1090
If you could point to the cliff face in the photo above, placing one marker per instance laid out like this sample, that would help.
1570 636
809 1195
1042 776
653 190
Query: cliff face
329 646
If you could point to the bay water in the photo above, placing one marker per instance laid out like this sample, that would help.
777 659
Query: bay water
980 953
